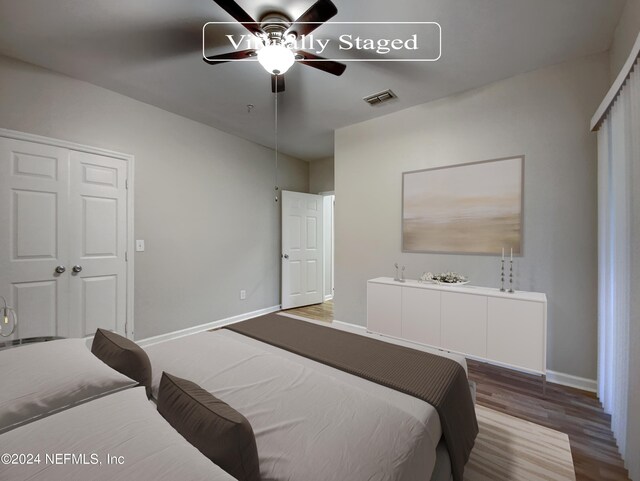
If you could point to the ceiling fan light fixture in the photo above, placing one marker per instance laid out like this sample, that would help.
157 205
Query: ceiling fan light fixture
276 59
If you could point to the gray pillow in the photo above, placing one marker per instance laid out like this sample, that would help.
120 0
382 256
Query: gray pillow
44 378
218 431
123 355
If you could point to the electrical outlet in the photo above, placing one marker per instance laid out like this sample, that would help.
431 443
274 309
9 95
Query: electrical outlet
139 245
243 294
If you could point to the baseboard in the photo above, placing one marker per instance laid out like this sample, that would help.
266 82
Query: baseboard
205 327
570 380
328 297
347 326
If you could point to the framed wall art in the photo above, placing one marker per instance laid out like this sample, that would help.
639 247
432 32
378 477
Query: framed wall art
474 208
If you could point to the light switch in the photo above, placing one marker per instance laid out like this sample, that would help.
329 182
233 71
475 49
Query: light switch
139 245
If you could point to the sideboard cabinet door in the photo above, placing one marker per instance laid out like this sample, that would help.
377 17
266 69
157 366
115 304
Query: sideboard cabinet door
464 323
384 307
421 316
516 333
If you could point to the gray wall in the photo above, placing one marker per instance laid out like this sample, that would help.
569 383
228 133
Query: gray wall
203 198
544 115
321 175
625 36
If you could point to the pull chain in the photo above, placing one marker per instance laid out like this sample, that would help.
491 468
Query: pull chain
276 140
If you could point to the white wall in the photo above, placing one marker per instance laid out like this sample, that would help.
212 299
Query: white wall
321 175
204 199
625 36
545 116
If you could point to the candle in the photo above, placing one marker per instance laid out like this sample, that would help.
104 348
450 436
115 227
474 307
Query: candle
503 253
512 254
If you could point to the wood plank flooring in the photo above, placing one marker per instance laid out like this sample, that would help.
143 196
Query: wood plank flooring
317 312
511 449
577 413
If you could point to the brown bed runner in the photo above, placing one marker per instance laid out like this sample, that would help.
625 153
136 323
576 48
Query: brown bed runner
434 379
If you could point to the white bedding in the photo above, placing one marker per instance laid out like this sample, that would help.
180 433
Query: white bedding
43 378
123 424
311 422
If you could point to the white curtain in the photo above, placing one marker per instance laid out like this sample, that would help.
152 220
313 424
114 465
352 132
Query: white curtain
618 214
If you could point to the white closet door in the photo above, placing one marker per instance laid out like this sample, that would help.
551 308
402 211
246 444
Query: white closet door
33 235
97 249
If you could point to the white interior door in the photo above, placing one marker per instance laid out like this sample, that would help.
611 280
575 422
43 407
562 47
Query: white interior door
98 244
64 224
33 235
302 249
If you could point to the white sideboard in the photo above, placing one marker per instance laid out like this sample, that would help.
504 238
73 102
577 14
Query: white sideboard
479 322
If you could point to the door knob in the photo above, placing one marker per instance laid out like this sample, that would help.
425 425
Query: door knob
286 256
77 269
60 269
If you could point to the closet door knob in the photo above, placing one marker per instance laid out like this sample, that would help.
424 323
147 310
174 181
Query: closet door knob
77 269
60 269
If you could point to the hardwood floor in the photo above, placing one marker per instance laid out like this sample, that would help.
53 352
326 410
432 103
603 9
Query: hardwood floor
317 312
577 413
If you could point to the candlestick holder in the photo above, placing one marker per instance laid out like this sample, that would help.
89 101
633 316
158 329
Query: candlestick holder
502 289
511 291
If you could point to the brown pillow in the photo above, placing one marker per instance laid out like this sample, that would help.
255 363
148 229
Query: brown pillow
219 432
123 355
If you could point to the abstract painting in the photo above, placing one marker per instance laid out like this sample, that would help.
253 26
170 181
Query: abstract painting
473 208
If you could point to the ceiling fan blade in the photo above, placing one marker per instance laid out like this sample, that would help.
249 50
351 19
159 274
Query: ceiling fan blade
277 83
226 57
329 66
320 12
237 12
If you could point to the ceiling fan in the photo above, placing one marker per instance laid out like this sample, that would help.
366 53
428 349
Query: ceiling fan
277 34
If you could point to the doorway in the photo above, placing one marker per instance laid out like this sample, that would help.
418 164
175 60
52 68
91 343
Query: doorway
329 202
322 309
302 255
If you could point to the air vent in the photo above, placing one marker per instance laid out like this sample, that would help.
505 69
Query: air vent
380 97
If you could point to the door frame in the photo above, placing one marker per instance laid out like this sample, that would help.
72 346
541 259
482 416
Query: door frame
130 162
331 193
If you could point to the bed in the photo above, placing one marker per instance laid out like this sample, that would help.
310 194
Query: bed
67 414
119 436
41 379
311 421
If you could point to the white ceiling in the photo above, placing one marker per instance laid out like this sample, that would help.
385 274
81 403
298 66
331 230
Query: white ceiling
150 50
